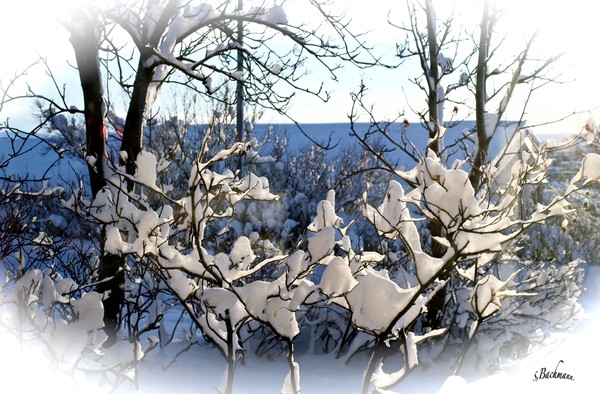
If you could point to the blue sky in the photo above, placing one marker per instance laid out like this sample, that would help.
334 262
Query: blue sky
563 27
28 28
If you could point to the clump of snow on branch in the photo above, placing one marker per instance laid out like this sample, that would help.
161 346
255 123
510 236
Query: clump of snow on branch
591 129
590 170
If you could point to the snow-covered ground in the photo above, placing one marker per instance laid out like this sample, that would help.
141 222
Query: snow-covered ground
200 369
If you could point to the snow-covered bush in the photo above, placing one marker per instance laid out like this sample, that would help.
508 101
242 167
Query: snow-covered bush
545 297
214 283
185 247
475 228
227 284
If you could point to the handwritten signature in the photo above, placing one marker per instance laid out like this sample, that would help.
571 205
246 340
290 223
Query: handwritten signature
543 373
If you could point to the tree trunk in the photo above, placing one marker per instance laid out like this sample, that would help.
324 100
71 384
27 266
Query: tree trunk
112 267
432 100
133 131
483 139
84 42
111 274
434 78
86 54
437 302
239 92
135 121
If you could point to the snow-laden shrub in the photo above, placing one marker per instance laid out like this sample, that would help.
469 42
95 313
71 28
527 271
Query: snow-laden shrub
190 247
546 295
476 228
215 283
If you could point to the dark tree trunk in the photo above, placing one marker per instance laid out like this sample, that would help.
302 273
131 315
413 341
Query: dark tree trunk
86 54
136 116
110 273
434 75
86 45
137 112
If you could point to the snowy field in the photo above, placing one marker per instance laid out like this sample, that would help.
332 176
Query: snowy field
338 134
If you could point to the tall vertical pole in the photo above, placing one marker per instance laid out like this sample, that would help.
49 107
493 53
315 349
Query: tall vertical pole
239 93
